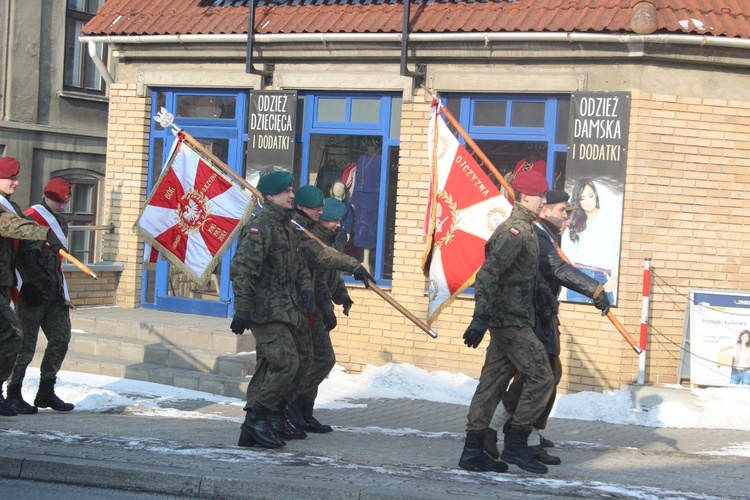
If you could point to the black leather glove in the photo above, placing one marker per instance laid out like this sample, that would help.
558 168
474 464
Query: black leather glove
477 328
602 303
348 303
240 322
361 274
54 242
31 294
308 301
329 318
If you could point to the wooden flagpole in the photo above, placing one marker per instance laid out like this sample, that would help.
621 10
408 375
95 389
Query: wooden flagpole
374 287
628 338
80 265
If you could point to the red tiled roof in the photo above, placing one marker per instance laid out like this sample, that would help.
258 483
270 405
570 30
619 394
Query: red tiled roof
729 18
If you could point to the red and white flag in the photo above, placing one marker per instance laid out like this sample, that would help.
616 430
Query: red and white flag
464 208
193 213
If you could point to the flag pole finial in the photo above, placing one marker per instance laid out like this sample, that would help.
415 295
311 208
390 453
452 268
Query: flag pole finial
165 119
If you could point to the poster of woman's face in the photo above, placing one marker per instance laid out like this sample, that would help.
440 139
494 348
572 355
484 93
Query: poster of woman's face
592 239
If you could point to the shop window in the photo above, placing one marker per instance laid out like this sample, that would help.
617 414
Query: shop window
81 211
80 73
350 149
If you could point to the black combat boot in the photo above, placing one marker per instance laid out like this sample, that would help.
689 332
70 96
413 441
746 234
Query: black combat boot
541 454
474 457
46 397
312 423
255 430
6 410
517 451
294 414
281 426
546 443
490 443
15 399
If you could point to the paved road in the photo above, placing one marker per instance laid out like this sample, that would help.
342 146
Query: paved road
384 449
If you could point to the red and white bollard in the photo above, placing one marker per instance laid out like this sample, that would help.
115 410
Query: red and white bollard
644 321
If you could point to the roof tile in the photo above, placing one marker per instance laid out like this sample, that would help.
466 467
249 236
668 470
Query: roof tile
730 18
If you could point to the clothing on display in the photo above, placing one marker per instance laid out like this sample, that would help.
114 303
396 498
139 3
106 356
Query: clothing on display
364 199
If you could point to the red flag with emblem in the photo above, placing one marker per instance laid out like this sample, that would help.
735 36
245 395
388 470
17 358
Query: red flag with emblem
464 209
193 213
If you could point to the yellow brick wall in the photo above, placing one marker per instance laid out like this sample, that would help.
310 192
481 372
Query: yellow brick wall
84 291
125 189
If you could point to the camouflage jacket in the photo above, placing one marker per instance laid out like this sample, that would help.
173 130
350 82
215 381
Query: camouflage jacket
506 284
38 264
319 256
19 228
267 271
329 287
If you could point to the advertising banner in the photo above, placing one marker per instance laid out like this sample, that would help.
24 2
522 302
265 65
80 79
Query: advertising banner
719 338
271 130
595 178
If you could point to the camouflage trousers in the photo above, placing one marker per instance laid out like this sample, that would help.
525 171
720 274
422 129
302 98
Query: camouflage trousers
10 335
323 359
54 319
512 350
283 358
513 395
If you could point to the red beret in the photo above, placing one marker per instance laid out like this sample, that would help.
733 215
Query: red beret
530 182
58 190
9 167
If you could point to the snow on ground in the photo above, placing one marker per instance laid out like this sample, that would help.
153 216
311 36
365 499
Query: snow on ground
722 408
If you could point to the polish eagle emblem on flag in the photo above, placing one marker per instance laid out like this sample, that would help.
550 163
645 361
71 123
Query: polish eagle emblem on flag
194 213
464 209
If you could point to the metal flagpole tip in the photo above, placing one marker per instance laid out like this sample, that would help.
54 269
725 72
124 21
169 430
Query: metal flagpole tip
637 349
164 118
432 333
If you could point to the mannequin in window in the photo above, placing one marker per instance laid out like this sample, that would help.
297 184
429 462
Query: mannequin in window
365 194
338 191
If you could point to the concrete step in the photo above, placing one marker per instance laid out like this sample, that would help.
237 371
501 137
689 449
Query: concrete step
186 330
182 350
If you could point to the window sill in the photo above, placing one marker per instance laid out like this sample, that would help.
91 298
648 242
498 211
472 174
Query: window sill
101 267
69 94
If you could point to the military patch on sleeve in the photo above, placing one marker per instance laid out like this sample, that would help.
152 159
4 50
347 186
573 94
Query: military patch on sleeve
253 230
513 231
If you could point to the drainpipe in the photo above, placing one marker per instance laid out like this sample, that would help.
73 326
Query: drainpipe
405 47
94 55
249 67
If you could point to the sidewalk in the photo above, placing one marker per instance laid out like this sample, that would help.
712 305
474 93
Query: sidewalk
385 449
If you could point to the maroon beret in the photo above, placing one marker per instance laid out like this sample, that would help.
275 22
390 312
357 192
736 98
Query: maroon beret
58 190
9 167
531 182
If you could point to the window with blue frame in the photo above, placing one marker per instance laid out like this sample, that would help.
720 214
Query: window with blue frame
517 132
216 118
349 148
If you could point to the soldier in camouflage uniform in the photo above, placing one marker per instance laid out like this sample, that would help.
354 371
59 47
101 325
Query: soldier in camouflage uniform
13 227
321 257
557 273
506 290
329 290
272 287
44 301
